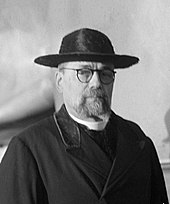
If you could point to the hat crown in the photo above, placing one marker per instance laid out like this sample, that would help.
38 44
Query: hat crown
87 41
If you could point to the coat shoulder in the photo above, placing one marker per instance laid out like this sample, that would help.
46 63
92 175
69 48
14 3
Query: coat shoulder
130 127
39 132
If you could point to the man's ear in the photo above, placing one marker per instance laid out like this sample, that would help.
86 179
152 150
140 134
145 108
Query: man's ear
59 81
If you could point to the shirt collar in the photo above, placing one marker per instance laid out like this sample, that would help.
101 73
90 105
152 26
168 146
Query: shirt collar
91 125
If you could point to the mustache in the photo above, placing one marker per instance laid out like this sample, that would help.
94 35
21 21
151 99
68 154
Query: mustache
95 93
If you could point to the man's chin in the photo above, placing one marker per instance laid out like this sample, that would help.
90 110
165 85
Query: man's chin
96 110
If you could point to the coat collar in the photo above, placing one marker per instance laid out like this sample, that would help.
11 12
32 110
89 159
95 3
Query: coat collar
69 130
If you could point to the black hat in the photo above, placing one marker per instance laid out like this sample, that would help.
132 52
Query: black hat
87 45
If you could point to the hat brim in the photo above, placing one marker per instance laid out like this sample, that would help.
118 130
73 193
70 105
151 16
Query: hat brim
119 61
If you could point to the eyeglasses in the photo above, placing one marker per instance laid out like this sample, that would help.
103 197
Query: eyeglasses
106 76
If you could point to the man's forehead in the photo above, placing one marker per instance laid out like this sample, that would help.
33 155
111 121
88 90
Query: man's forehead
86 64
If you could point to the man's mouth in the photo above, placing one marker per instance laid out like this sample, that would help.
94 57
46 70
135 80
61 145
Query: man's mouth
95 97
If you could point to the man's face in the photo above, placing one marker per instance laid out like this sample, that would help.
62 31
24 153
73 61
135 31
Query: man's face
85 100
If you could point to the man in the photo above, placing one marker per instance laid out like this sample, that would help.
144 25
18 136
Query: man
84 153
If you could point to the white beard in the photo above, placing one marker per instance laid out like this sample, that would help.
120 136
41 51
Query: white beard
94 104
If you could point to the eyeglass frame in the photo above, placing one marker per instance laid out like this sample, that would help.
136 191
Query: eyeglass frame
92 72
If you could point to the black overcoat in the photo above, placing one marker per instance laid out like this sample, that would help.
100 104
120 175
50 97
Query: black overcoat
49 164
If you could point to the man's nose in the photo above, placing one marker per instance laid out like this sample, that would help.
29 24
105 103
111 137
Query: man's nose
95 80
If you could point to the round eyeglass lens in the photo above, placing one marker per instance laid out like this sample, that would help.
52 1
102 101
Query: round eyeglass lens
106 76
84 75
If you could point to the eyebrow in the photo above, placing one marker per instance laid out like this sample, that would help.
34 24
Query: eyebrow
91 67
85 66
108 67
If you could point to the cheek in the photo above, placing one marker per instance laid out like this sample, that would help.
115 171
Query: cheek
108 91
73 90
68 90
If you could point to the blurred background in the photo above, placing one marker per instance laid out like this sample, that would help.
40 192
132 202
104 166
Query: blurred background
32 28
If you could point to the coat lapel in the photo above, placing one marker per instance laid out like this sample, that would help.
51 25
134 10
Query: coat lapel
91 155
94 164
87 155
129 148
